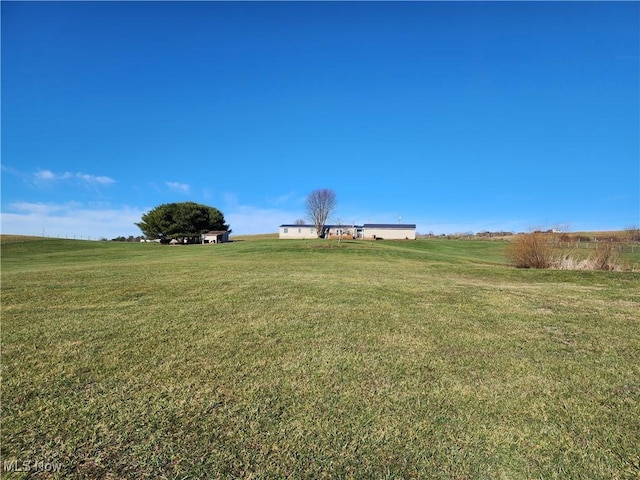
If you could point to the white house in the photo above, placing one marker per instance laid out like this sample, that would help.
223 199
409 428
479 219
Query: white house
297 231
369 231
389 231
309 231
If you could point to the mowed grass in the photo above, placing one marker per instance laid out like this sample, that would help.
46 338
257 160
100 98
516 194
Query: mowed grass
315 359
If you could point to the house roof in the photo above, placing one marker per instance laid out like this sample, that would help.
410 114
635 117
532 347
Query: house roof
386 226
293 225
216 232
391 226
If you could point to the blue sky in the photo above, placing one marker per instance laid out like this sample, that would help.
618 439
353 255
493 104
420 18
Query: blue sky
454 116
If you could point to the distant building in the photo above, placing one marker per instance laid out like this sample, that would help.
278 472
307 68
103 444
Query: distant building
297 231
389 231
368 231
216 236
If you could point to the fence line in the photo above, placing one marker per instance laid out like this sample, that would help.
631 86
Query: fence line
620 247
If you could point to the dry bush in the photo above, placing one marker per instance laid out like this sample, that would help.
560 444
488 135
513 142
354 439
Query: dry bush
543 250
532 250
567 262
605 256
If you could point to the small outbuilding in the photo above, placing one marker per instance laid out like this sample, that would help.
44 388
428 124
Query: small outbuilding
215 236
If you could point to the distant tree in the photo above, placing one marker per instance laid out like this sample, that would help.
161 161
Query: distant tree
633 232
342 230
130 238
299 221
180 221
320 204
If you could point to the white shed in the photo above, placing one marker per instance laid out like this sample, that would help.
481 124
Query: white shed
215 236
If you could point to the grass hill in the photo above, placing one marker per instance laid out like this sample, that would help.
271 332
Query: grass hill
314 359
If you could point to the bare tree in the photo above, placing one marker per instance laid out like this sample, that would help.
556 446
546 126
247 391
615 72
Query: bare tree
320 204
633 233
340 229
299 221
343 230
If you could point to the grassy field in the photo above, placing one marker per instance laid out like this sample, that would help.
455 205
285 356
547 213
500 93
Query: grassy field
314 359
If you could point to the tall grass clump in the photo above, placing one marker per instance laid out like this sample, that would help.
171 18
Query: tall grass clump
605 256
544 250
531 250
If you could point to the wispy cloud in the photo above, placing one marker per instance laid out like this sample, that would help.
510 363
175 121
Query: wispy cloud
247 219
47 175
37 208
95 179
230 199
44 176
75 220
178 187
282 199
70 220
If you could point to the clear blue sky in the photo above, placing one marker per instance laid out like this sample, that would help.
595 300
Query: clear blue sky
455 116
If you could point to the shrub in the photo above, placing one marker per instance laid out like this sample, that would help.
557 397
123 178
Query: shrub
605 256
531 250
566 238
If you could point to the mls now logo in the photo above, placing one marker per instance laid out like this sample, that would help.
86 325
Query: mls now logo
31 466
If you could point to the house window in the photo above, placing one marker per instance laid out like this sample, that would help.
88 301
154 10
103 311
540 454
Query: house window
299 230
286 230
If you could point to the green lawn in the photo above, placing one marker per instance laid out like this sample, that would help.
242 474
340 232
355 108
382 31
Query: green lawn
315 359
